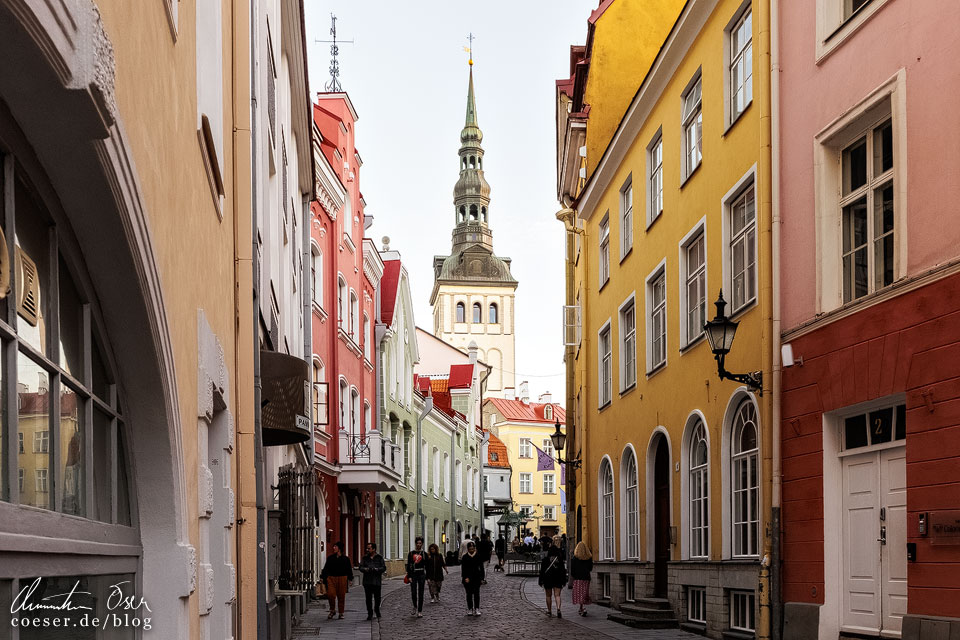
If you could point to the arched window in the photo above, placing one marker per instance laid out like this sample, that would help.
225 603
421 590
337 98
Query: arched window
316 272
473 213
746 481
463 163
344 401
342 302
354 316
480 162
477 313
354 411
606 511
494 316
699 492
367 338
631 504
473 162
483 213
548 412
463 214
461 312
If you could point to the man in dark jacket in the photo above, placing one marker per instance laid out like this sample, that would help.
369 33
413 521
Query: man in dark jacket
372 567
501 549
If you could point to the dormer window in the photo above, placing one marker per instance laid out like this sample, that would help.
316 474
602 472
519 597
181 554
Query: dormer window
548 412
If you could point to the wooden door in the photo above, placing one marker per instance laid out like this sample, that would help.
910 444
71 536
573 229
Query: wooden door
661 522
861 551
893 554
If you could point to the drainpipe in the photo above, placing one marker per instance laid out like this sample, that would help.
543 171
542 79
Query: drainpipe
568 217
776 594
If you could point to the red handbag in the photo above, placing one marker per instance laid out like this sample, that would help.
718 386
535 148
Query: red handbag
406 579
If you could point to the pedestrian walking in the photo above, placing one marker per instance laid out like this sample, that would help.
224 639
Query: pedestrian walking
501 548
436 567
337 574
485 549
372 567
553 575
463 547
472 575
581 567
563 544
417 576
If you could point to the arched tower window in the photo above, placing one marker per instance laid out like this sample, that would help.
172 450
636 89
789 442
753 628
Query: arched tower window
746 481
483 213
473 162
473 213
463 214
494 316
480 162
477 313
463 163
461 312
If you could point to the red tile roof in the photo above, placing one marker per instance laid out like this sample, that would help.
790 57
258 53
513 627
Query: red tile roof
497 452
389 287
518 411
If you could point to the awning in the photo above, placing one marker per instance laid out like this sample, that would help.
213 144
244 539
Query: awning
285 399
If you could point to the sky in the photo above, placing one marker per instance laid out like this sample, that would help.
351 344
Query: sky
407 75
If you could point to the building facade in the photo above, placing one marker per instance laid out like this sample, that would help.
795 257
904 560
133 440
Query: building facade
473 291
497 481
674 496
869 317
536 483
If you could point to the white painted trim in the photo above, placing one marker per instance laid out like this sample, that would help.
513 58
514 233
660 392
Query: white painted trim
685 537
726 483
623 503
600 512
606 326
727 259
700 226
651 458
648 193
832 31
648 310
729 119
631 299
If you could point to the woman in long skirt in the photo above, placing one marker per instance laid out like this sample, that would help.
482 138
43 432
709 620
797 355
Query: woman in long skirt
580 568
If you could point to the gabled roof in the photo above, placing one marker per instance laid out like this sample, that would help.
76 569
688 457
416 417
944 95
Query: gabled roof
389 287
517 411
496 452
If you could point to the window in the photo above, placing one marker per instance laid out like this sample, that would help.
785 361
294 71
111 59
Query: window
746 483
494 317
547 446
742 604
631 505
342 302
606 511
657 321
549 512
459 490
867 218
494 456
655 163
424 464
605 585
743 249
437 478
316 273
740 37
461 312
41 485
477 313
41 441
20 441
606 367
630 588
875 427
549 483
850 7
626 217
526 510
604 249
694 293
446 474
548 415
526 483
486 484
367 338
697 605
692 128
526 450
354 316
628 345
20 479
699 493
355 410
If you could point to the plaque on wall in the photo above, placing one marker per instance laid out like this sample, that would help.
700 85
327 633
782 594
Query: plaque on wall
944 527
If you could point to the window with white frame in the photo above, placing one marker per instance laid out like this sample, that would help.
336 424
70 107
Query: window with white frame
425 465
626 217
41 441
867 219
354 410
526 450
606 511
342 303
694 292
630 587
316 272
548 412
354 316
657 321
461 312
547 447
446 474
606 367
437 478
628 345
493 314
742 614
604 266
344 405
549 483
550 512
697 605
692 127
526 510
459 492
526 483
41 484
20 480
631 505
655 179
367 338
20 441
746 481
477 313
850 7
743 248
740 71
367 417
699 493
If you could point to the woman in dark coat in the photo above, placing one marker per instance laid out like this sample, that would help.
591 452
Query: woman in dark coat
553 576
472 575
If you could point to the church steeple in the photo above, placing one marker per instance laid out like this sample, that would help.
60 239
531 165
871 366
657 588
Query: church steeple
471 194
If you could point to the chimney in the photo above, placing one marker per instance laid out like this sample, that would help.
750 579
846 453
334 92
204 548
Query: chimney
472 350
546 398
509 393
525 392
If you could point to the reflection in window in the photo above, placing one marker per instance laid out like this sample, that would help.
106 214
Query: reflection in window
71 325
71 452
34 423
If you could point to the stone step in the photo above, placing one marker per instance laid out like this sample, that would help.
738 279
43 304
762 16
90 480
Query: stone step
642 623
653 603
646 612
603 602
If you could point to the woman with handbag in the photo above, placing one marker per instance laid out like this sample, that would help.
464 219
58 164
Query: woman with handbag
337 574
553 575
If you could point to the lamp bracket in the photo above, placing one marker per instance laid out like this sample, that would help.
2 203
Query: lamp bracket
753 379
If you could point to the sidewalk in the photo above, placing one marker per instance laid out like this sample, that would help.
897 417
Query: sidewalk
596 618
354 625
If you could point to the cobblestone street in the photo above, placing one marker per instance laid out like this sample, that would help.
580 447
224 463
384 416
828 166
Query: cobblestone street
512 608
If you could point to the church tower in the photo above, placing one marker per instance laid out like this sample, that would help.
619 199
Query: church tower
473 289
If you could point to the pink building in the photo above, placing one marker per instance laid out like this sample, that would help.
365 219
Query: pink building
869 181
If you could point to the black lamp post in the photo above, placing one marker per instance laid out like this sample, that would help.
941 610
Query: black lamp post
559 439
720 333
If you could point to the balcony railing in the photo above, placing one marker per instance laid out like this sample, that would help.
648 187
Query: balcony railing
370 449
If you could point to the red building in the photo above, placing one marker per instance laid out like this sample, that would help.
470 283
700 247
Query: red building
346 272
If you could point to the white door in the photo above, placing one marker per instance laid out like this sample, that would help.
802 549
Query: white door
874 535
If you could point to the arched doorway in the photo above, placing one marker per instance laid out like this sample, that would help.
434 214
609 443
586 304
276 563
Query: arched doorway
661 516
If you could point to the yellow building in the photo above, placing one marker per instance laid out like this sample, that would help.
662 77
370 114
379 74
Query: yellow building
525 427
675 496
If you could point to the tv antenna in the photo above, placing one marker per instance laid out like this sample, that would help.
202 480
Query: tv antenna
333 86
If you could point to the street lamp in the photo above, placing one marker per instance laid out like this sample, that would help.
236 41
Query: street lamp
558 438
720 333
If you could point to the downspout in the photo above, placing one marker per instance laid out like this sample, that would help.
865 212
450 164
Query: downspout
777 479
568 217
263 629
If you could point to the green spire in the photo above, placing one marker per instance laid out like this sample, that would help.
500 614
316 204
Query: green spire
471 103
471 136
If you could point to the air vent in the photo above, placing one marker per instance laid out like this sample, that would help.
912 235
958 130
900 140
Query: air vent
28 293
4 267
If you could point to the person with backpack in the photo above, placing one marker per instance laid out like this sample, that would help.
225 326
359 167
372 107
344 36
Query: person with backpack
436 567
472 575
417 576
581 566
553 575
372 567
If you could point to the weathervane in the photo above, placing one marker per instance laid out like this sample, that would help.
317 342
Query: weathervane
469 49
334 84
